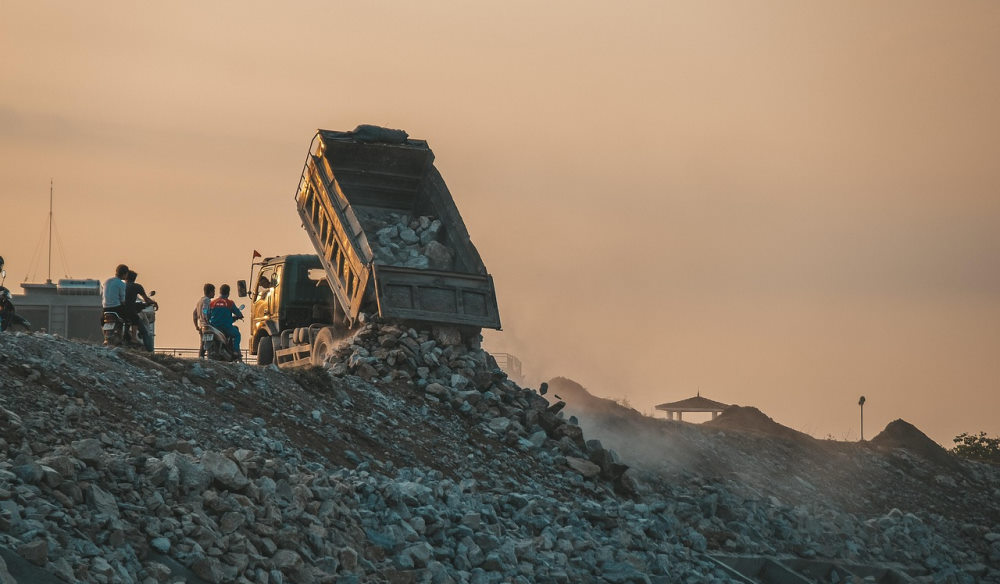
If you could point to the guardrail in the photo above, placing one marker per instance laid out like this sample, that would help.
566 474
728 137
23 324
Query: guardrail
186 353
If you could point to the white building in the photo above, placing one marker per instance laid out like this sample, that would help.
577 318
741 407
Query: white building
70 309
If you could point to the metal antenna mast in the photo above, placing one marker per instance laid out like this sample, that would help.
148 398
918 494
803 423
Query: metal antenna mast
48 280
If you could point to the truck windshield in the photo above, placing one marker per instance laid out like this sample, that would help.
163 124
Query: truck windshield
304 294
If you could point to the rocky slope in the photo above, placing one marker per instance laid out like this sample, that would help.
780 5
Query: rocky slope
411 458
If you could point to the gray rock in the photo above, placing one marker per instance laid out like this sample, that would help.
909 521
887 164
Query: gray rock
36 552
447 336
408 236
224 471
439 257
103 501
431 233
209 569
584 467
89 450
286 560
31 473
499 425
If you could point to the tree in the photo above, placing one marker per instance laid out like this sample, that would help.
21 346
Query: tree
977 447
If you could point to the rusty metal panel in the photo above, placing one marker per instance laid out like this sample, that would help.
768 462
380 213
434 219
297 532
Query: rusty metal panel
433 296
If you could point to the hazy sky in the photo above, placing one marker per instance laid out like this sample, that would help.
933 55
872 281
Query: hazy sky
782 204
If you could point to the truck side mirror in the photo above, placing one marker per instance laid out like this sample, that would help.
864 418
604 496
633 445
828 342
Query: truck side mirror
241 288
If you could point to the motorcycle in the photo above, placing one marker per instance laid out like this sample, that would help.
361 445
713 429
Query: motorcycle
117 332
217 345
9 320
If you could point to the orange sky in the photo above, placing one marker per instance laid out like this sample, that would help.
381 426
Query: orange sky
784 204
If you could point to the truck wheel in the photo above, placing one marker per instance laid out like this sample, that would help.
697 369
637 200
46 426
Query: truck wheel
265 351
323 347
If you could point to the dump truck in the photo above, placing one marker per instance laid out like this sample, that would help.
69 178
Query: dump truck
390 244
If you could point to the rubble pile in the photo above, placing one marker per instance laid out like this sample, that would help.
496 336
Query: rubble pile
411 458
412 243
454 370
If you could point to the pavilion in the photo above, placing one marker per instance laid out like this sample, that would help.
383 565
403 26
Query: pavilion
692 404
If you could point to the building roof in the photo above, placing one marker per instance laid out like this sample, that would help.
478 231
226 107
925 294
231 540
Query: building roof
693 404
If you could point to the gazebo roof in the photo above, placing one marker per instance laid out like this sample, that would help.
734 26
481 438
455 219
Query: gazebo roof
693 404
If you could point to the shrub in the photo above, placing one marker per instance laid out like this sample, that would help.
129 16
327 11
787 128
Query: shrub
978 447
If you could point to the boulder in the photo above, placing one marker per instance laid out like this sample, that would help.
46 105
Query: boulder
584 467
224 471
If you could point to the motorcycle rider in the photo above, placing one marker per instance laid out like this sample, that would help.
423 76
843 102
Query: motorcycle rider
113 291
200 315
8 316
132 292
223 311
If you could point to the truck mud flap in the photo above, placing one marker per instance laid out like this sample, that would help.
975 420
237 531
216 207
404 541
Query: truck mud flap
433 296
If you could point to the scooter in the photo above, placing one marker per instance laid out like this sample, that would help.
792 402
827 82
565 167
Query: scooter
117 332
217 345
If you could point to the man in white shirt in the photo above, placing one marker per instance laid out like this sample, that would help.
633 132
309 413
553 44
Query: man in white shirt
113 291
200 315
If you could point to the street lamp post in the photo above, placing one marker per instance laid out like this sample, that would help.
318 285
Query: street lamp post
861 402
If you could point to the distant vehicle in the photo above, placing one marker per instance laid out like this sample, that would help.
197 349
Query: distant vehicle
390 243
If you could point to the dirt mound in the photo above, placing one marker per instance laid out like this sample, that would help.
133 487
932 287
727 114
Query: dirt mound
902 434
750 419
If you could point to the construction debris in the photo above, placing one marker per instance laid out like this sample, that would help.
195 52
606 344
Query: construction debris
411 459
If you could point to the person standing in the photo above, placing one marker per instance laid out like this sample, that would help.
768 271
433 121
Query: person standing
223 313
201 313
133 291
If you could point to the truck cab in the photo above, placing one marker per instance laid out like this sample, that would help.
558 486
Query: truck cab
288 292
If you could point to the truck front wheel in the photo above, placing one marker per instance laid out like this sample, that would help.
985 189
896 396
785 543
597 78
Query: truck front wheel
265 351
322 347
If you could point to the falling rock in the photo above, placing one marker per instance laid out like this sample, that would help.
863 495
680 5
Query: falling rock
447 335
224 471
584 467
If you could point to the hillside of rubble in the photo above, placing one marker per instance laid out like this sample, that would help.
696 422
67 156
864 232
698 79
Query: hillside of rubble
411 457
